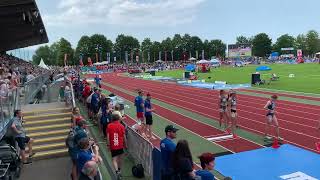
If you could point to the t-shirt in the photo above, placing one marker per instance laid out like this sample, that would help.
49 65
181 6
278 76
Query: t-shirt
95 100
97 80
18 123
116 132
83 157
86 91
167 147
137 102
205 175
147 104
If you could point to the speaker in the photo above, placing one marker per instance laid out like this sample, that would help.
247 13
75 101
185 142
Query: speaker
187 75
255 78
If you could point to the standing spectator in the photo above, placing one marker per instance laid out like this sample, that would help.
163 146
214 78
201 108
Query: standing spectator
138 102
95 104
30 76
182 162
97 79
148 114
207 164
67 94
167 147
89 171
21 137
116 138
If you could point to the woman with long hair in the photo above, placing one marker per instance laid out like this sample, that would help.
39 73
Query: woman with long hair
182 161
232 113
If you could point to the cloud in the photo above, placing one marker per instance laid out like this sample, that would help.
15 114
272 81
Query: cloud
124 12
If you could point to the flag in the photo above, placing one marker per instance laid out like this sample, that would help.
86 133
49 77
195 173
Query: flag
126 56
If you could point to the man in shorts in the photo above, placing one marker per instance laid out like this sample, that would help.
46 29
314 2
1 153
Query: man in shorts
271 117
116 141
22 139
148 114
138 102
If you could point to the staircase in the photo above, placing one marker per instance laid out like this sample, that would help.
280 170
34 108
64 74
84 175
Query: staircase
48 124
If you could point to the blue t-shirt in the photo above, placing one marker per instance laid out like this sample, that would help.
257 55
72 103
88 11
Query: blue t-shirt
205 175
137 102
97 80
94 100
147 104
83 157
167 147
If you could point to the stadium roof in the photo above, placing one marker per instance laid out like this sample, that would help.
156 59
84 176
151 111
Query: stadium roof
20 25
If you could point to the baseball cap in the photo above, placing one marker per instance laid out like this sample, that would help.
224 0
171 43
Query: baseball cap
170 128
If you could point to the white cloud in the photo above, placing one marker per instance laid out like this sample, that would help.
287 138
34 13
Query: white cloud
124 12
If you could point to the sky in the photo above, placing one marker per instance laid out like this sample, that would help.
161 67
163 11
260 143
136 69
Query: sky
158 19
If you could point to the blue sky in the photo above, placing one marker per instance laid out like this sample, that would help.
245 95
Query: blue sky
158 19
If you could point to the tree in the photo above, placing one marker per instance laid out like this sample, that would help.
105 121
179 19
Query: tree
99 45
177 45
167 47
261 45
83 48
243 40
301 43
312 42
61 48
155 49
217 48
284 41
195 45
43 52
145 48
126 43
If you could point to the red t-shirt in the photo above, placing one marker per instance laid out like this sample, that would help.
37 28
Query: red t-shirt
116 134
86 91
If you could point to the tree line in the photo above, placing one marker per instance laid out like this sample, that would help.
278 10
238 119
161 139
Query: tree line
99 47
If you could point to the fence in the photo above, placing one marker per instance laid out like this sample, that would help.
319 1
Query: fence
8 104
31 88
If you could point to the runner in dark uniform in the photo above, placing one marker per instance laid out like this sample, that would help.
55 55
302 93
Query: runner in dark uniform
223 103
232 113
271 117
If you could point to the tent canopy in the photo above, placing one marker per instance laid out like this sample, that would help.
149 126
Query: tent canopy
159 61
43 65
214 61
190 67
263 68
203 62
192 59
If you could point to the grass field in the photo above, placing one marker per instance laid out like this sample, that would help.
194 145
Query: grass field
307 76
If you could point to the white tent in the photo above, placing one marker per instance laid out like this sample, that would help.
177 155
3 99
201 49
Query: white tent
203 62
318 53
159 61
43 65
192 59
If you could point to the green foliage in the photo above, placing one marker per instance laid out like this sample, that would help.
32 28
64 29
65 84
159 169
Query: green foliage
126 43
243 40
44 53
312 42
261 45
284 41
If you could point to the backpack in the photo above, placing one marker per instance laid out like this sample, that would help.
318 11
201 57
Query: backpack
70 142
138 171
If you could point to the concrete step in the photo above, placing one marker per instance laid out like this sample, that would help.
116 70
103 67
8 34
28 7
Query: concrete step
49 140
50 154
47 116
48 128
46 111
47 122
53 133
47 147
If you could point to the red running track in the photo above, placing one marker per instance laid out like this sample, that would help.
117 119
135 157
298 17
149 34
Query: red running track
290 135
283 94
196 127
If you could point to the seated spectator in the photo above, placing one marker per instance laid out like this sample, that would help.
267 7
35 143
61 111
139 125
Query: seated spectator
84 155
89 171
182 162
207 164
21 137
76 117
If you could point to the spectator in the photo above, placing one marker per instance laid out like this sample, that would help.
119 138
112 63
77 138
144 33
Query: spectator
88 101
97 79
95 104
148 114
182 161
21 137
167 147
89 171
76 116
84 155
30 76
138 102
116 138
207 164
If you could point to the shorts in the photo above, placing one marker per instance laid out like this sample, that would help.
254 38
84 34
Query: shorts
223 109
140 115
233 113
270 114
22 141
149 120
117 152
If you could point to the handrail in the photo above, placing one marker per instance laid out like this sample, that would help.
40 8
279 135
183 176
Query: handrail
72 95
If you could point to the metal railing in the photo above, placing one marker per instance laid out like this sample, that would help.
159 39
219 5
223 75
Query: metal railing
8 104
32 87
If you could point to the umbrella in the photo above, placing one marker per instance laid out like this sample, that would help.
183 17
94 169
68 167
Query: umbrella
192 59
203 62
263 68
190 67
